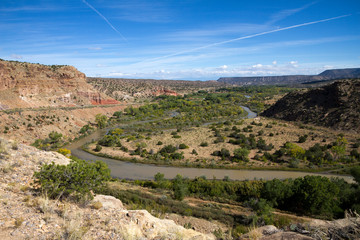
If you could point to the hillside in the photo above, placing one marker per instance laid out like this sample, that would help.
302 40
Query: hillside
127 89
335 105
25 215
293 79
36 99
28 85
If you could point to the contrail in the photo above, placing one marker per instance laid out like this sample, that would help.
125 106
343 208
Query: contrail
246 37
107 21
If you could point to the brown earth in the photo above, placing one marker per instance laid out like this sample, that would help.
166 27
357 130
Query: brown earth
28 85
28 125
275 132
335 106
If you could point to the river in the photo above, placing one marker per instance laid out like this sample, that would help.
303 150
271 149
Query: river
120 169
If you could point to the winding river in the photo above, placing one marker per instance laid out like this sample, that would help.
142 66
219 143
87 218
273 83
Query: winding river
120 169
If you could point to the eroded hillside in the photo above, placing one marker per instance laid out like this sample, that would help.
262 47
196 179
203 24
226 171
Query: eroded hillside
28 85
37 99
335 106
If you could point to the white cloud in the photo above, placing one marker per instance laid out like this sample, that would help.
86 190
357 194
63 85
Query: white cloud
224 67
16 56
259 65
95 48
213 73
287 13
274 62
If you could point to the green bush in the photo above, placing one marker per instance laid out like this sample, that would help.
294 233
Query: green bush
183 146
241 154
98 148
76 180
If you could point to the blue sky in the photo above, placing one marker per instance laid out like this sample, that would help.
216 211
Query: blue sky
183 39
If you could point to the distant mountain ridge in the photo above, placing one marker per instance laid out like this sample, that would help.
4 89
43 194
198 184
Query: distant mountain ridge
331 74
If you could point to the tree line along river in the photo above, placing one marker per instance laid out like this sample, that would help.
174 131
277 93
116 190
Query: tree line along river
127 170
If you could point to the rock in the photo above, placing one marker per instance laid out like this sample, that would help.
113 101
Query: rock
286 236
109 202
36 85
269 229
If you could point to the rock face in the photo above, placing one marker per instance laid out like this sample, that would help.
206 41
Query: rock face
24 85
293 79
336 106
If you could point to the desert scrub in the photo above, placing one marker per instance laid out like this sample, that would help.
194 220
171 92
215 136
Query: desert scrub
76 180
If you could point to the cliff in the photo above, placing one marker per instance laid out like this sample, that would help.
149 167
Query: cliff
28 85
335 105
327 75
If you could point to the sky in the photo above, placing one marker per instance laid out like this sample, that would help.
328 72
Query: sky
183 39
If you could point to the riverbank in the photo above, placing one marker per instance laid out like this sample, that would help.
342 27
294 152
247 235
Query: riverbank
126 164
149 161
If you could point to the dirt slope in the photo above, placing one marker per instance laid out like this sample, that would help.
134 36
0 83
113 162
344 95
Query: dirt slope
24 85
334 106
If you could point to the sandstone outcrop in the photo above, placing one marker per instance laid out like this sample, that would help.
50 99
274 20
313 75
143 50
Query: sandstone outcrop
27 85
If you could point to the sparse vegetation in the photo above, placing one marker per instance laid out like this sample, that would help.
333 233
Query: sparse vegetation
76 180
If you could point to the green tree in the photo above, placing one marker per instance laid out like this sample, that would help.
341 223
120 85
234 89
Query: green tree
294 150
241 154
339 148
179 187
355 172
101 120
263 212
54 137
315 195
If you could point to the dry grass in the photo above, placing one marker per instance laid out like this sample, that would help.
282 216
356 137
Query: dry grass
254 233
96 205
18 222
277 133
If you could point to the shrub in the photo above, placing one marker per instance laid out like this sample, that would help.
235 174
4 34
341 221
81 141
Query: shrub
183 146
159 143
241 154
303 138
101 120
109 141
204 144
77 179
98 148
64 151
168 149
223 153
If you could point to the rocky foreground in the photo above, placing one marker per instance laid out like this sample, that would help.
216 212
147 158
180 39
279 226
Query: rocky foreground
27 216
24 215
